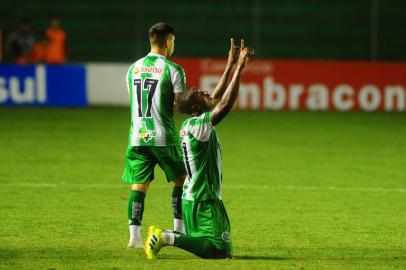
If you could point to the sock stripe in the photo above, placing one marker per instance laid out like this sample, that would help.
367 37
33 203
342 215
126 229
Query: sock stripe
136 207
177 202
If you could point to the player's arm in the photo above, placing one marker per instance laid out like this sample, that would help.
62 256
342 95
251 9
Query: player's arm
127 80
126 83
222 84
226 103
179 83
176 100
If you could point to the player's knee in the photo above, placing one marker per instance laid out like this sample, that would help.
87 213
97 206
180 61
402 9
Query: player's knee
140 187
222 254
208 250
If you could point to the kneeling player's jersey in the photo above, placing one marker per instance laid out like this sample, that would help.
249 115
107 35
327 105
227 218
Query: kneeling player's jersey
202 157
152 82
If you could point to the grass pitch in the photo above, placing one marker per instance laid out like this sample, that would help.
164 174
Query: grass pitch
303 191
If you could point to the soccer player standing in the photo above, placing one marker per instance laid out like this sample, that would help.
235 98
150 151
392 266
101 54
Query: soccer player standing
153 83
206 221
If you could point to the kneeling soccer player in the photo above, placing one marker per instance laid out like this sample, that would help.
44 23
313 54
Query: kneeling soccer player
206 221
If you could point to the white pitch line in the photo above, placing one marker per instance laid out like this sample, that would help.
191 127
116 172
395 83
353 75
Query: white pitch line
332 188
241 187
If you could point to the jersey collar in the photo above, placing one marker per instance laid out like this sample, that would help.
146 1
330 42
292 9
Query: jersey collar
156 54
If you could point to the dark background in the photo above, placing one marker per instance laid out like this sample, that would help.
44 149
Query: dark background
116 31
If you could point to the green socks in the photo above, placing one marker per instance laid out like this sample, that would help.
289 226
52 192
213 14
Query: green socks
198 246
177 202
135 207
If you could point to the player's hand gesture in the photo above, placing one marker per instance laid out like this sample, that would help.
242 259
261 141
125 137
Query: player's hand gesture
233 53
245 54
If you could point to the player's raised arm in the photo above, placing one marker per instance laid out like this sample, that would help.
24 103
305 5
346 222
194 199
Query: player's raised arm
231 60
226 103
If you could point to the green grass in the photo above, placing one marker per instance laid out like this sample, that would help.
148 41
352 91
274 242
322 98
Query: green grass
303 191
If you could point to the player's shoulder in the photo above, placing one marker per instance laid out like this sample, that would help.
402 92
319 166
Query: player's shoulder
135 64
199 127
185 126
140 61
173 65
201 119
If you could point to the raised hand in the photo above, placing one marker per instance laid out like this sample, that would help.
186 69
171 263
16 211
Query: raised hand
245 54
229 96
233 53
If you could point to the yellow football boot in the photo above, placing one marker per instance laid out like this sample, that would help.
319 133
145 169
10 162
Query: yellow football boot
154 242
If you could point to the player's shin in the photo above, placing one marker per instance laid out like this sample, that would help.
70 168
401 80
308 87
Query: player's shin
178 224
135 213
198 246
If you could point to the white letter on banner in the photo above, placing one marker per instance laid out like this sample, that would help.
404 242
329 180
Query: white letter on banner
295 90
338 97
275 94
246 90
24 96
3 90
392 92
371 104
318 97
40 76
209 82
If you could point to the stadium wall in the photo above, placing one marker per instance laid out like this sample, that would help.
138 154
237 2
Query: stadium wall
266 84
43 85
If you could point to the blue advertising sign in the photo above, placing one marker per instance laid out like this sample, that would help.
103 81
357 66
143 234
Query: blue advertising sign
43 85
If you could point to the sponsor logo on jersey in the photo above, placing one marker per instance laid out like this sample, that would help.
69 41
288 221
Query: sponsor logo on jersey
145 133
154 70
226 237
136 70
182 133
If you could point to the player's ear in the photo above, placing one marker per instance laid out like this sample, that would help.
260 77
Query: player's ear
168 41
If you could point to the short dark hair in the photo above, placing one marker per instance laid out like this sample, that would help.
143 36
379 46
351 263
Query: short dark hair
158 33
184 100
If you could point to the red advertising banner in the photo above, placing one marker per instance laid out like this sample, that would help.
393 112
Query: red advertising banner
308 85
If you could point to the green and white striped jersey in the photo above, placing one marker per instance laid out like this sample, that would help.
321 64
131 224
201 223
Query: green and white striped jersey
202 158
152 82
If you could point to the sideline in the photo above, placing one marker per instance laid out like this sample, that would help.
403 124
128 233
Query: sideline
160 186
